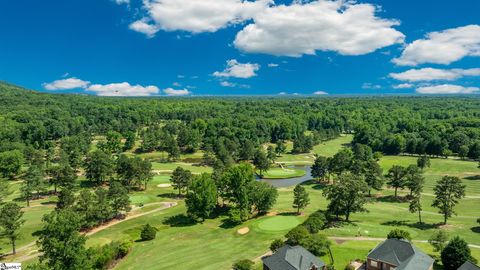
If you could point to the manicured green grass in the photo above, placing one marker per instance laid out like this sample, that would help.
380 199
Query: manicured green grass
277 224
279 173
169 167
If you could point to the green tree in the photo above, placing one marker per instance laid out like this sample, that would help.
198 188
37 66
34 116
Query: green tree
448 191
202 197
280 147
243 265
271 154
456 253
300 198
63 176
261 196
10 222
423 162
66 199
438 240
341 161
11 163
296 235
148 233
61 245
181 179
415 205
4 189
373 176
320 168
98 167
346 195
396 178
317 244
119 199
399 234
261 162
276 245
130 139
414 179
33 184
237 181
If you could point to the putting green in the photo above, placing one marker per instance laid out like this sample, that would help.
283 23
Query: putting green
279 173
139 198
277 223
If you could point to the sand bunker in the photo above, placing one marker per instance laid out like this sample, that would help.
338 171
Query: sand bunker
243 230
164 185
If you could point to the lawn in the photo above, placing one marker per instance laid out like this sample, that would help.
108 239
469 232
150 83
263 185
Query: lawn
281 173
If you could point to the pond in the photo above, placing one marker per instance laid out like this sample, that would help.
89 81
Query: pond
290 181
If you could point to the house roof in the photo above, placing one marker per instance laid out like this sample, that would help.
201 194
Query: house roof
292 258
401 254
468 266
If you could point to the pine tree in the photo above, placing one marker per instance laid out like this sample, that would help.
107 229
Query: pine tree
300 198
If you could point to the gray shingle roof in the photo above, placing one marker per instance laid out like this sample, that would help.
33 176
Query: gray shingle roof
402 254
468 266
292 258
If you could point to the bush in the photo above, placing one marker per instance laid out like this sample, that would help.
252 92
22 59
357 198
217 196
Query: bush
456 253
349 267
296 235
243 265
399 234
317 244
148 233
276 245
103 256
315 222
237 216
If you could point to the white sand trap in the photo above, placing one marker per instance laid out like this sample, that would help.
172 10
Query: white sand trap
243 230
164 185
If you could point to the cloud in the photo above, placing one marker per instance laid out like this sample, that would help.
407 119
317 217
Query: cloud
174 92
144 27
66 84
283 93
176 84
227 84
238 70
306 27
273 65
123 89
121 2
447 89
403 86
433 74
371 86
320 93
442 47
197 16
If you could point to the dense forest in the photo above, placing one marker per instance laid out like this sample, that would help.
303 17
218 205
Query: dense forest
228 127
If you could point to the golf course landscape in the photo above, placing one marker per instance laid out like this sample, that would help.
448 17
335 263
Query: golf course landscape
186 244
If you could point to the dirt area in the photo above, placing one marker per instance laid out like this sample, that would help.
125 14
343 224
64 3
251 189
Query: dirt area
243 230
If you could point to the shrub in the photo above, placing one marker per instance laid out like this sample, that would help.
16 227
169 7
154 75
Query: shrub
148 233
103 256
237 216
399 234
315 222
317 244
296 235
349 267
276 244
243 265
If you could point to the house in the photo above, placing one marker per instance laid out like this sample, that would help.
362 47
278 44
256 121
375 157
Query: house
292 258
394 254
468 266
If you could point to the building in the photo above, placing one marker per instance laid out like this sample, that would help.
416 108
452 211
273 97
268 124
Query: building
468 266
394 254
292 258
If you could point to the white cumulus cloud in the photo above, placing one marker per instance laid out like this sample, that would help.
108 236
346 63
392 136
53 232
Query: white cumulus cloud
197 16
66 84
442 47
175 92
320 93
273 65
433 74
142 26
447 89
403 86
306 27
123 89
121 2
238 70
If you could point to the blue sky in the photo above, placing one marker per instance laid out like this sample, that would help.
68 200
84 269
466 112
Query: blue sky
235 47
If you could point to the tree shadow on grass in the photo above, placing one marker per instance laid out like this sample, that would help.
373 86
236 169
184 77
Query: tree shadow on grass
287 214
171 195
473 177
315 184
416 225
228 224
392 199
475 229
180 220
